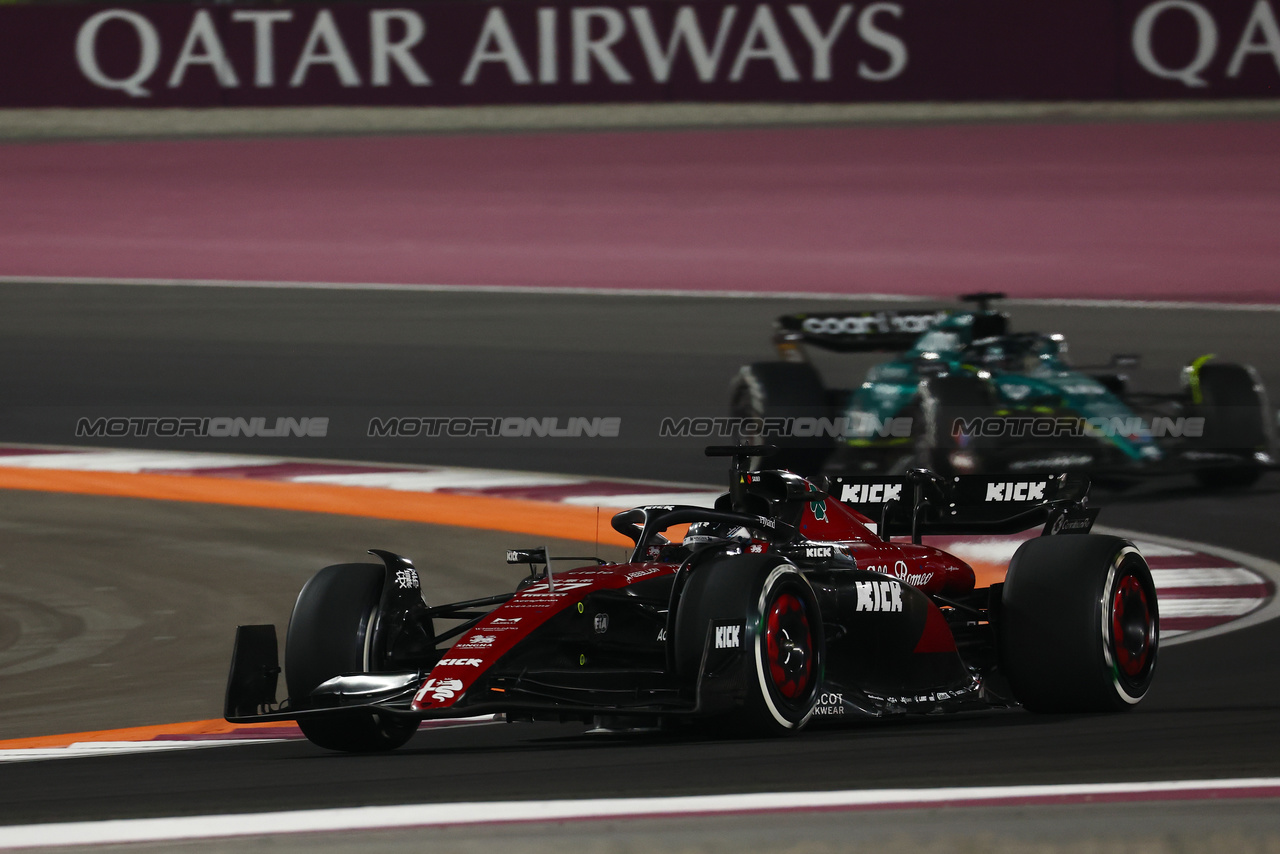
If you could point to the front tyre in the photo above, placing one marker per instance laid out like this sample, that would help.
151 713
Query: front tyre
328 636
779 676
1079 624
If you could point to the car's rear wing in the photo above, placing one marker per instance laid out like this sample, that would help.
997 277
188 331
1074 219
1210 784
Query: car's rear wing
922 503
856 331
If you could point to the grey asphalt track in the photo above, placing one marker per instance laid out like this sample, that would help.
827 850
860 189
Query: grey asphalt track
71 351
120 612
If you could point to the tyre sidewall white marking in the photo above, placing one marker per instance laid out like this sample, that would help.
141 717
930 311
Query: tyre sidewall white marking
1108 653
1269 569
761 644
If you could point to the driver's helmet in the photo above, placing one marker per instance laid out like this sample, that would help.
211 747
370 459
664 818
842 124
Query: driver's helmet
1004 354
704 533
1051 347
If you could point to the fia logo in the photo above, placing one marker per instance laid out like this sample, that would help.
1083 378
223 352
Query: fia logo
601 623
728 637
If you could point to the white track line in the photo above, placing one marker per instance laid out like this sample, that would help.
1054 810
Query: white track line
1209 577
626 292
698 499
446 478
134 461
1141 303
1207 607
81 749
432 477
133 831
458 289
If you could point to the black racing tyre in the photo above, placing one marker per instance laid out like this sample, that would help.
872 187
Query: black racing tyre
781 677
328 637
1235 477
1079 625
1116 384
942 401
1237 420
783 390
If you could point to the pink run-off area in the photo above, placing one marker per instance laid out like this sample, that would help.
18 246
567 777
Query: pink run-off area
1155 211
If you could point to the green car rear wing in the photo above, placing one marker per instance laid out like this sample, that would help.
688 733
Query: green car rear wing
856 331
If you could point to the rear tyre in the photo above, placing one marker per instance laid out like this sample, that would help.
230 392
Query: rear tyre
784 390
780 674
1237 420
1117 384
1237 477
942 401
328 637
1079 625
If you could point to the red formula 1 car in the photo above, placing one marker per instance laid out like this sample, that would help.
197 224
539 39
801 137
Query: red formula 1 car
790 602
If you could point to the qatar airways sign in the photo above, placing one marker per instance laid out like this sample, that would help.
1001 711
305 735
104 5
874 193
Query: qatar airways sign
551 52
577 45
1201 47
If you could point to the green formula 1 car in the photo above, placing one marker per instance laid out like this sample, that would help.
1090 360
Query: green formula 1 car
965 394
